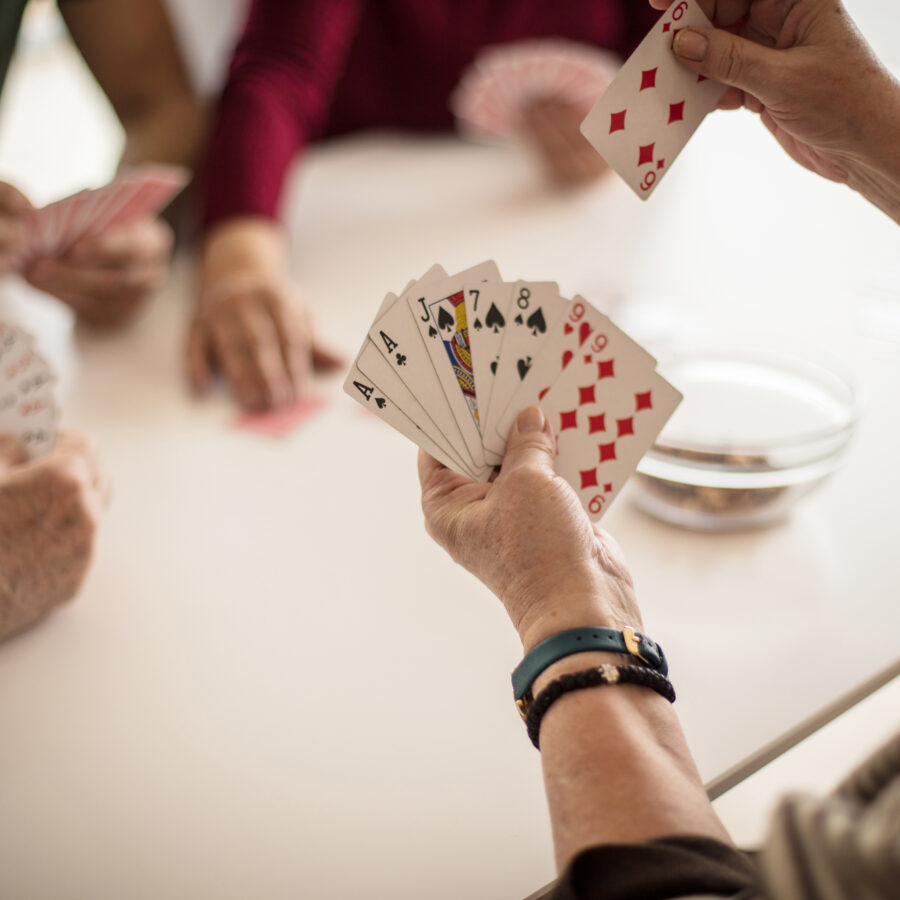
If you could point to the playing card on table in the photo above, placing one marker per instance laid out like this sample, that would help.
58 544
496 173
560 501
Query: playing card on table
653 105
439 311
27 406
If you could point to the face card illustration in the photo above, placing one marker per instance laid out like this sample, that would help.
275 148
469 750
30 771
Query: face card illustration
535 308
606 409
441 316
654 105
396 335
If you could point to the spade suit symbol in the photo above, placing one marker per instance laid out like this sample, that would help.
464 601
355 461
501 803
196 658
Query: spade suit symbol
445 320
536 322
494 367
432 331
494 319
519 320
380 402
477 325
523 365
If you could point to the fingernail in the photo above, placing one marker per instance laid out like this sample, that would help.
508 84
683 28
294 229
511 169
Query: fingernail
530 419
691 45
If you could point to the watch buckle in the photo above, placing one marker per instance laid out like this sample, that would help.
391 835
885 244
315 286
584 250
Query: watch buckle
633 645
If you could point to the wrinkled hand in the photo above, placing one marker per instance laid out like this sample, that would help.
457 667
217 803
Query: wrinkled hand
14 212
528 539
247 325
554 128
806 70
49 510
105 279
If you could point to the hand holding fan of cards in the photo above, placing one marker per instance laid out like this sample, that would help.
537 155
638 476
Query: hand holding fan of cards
452 361
134 194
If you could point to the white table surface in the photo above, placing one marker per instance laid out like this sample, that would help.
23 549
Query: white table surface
275 685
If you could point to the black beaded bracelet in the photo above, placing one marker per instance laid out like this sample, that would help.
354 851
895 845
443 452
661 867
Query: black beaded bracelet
606 674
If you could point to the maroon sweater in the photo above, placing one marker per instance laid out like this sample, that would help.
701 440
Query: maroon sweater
308 69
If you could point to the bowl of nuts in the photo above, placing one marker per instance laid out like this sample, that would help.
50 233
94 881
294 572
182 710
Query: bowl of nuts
757 430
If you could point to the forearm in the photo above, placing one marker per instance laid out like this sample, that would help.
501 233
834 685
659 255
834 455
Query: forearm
876 176
131 50
278 96
617 768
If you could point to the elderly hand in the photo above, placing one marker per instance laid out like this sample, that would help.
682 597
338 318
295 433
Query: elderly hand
106 278
14 212
49 510
247 325
528 539
554 128
817 86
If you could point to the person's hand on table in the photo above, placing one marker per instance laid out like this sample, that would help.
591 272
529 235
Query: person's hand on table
105 279
817 86
14 211
246 323
554 128
527 537
49 512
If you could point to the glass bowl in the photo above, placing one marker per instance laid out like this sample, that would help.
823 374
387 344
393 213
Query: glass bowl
757 430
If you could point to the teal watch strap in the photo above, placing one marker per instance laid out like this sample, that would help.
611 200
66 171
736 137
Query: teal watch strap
584 640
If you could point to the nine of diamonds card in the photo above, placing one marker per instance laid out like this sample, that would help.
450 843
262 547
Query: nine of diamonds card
451 361
27 407
653 106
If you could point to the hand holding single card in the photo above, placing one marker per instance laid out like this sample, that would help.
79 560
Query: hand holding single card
654 105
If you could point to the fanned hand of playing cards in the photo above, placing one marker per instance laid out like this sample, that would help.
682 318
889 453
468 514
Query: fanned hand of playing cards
134 194
503 80
27 406
452 361
653 106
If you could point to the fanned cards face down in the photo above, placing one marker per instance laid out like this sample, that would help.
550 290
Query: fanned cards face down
452 360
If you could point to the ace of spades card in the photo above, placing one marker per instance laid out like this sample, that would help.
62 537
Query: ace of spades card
653 106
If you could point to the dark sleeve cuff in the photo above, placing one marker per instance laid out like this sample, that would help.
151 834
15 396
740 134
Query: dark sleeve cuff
661 869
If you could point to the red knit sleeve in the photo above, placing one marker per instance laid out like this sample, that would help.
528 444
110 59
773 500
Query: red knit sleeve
282 77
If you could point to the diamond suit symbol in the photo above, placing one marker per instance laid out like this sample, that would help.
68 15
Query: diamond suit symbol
588 478
586 395
617 121
568 419
643 401
625 426
607 451
648 78
597 423
676 112
645 154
